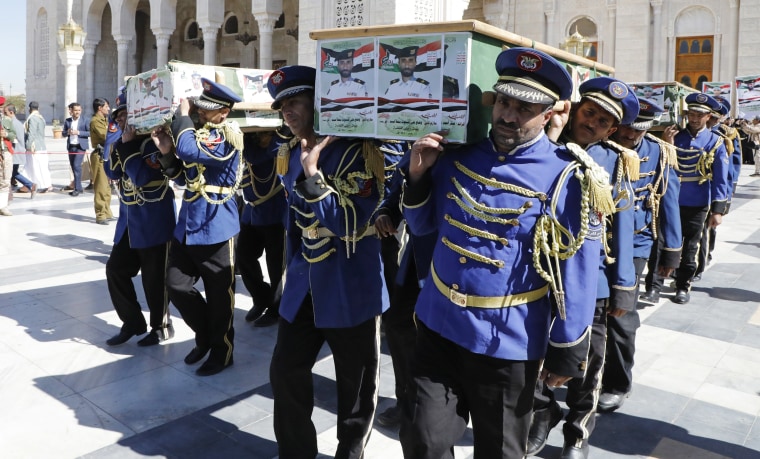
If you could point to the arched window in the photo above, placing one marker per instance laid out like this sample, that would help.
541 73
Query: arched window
694 47
706 46
684 47
230 25
41 45
192 31
582 39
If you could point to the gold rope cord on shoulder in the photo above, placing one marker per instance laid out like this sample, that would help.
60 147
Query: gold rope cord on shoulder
554 243
705 162
667 150
631 164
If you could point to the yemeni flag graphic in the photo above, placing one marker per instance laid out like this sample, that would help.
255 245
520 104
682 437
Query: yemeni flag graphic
363 59
428 56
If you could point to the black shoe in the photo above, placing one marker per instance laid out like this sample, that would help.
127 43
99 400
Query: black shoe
151 339
390 417
74 193
124 335
610 401
255 312
682 297
573 451
543 422
89 187
697 277
651 296
269 318
196 355
212 367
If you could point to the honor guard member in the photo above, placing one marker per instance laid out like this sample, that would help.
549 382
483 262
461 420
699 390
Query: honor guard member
262 224
408 86
334 290
146 222
733 151
208 162
656 220
703 166
605 104
513 274
346 86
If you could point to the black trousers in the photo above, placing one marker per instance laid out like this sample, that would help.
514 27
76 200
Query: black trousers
210 317
400 330
652 281
582 393
450 384
706 247
252 242
122 266
355 352
621 345
692 223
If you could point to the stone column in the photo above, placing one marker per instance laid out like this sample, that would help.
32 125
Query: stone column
658 57
122 47
71 60
609 51
162 47
89 72
266 29
209 47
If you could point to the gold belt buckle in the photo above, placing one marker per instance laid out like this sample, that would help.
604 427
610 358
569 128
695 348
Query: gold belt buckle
312 233
460 299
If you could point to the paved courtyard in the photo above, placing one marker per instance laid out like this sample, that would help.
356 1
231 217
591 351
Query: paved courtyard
65 394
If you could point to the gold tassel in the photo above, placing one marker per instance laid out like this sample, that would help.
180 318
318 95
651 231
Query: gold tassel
599 188
600 192
630 161
283 156
233 135
374 161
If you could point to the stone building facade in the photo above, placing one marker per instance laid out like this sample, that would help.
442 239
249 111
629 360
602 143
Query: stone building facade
645 40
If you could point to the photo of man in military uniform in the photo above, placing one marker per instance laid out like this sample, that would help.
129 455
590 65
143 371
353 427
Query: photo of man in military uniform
408 86
346 86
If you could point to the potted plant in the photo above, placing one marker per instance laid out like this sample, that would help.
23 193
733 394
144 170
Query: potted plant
57 129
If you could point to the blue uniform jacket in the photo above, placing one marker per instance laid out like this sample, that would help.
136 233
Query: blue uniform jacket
146 194
209 169
484 292
264 194
417 248
703 170
114 171
656 212
617 274
329 253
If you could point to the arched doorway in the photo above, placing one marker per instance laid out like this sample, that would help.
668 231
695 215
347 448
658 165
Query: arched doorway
694 47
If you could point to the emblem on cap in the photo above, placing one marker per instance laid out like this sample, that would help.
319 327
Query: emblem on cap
701 98
529 62
277 77
618 90
206 86
644 106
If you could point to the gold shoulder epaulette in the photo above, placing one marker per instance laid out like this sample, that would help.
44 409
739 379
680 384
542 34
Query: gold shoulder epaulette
667 150
630 161
600 190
